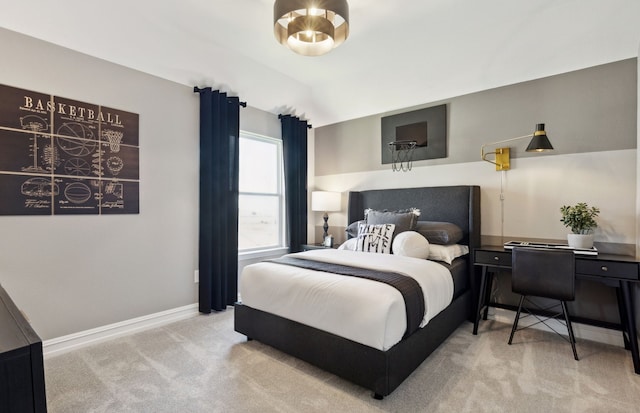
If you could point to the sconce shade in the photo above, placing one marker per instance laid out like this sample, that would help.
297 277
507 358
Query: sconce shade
539 142
324 201
311 27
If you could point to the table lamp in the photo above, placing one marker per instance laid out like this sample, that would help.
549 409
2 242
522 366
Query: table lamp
324 201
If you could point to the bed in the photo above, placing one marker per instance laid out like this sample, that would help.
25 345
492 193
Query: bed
382 369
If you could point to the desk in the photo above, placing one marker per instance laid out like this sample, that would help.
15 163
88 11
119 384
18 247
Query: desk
618 271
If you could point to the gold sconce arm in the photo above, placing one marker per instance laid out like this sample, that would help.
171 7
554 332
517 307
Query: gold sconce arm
502 159
502 156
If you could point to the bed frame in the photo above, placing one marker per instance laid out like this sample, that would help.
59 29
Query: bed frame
380 371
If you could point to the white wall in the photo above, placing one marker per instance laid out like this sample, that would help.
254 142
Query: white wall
75 273
534 190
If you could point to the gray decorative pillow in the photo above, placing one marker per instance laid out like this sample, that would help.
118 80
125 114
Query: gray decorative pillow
443 233
375 238
352 229
403 221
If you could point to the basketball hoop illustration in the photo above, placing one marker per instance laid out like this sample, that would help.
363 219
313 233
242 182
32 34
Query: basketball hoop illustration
114 138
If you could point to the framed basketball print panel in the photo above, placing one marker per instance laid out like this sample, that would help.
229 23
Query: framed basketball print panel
60 156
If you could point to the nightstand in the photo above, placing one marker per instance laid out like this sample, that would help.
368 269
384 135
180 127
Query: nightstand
307 247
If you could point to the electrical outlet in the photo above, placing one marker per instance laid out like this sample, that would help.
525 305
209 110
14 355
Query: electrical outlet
196 276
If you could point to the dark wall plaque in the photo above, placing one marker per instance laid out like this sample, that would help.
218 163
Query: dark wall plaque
428 127
62 156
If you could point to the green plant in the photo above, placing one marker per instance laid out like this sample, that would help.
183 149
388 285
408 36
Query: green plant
580 218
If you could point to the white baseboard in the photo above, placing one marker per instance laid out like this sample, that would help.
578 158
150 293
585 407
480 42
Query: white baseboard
74 341
581 331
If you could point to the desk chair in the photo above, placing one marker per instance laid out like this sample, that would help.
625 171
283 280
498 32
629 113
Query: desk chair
544 273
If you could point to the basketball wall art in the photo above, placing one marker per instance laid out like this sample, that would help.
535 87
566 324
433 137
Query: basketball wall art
59 156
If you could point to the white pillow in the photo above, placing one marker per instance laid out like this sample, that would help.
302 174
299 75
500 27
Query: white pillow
447 253
349 245
375 238
411 244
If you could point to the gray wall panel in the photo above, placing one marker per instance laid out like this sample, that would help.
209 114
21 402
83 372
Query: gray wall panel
588 110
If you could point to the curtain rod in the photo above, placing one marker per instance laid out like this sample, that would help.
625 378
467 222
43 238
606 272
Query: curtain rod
196 89
309 126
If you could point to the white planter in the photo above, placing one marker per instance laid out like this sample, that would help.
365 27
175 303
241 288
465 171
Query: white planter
580 240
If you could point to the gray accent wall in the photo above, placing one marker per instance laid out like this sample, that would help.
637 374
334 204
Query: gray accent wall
75 273
589 110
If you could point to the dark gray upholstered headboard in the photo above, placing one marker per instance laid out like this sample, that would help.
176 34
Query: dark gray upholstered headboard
457 204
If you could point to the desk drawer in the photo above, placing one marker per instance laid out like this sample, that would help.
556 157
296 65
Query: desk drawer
493 258
612 269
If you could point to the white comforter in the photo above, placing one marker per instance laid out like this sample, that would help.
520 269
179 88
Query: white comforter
368 312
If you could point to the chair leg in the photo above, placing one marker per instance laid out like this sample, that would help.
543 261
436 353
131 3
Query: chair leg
515 322
572 338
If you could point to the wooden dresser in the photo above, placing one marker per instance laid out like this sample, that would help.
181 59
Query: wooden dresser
21 365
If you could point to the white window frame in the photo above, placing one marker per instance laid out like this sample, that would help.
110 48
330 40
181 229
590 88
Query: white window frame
282 240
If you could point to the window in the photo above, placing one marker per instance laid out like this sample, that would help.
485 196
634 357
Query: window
261 198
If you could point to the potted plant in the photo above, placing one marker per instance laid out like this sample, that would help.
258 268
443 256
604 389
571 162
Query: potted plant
580 218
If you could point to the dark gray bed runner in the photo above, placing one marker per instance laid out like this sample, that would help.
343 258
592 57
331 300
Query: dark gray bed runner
408 287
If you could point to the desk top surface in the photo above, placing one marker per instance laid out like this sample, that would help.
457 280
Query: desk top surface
600 256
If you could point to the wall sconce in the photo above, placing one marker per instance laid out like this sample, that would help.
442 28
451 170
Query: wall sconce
502 161
323 201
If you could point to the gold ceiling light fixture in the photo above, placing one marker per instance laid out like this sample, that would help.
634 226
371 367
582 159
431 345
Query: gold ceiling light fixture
311 27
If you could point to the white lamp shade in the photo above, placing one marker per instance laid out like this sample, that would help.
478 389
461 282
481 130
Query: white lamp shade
325 201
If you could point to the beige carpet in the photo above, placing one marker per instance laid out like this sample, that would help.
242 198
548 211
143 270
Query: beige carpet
202 365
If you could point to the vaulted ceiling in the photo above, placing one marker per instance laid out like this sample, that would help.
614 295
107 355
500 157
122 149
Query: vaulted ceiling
399 53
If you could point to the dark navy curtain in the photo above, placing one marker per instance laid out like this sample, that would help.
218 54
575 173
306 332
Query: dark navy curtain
294 146
218 234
